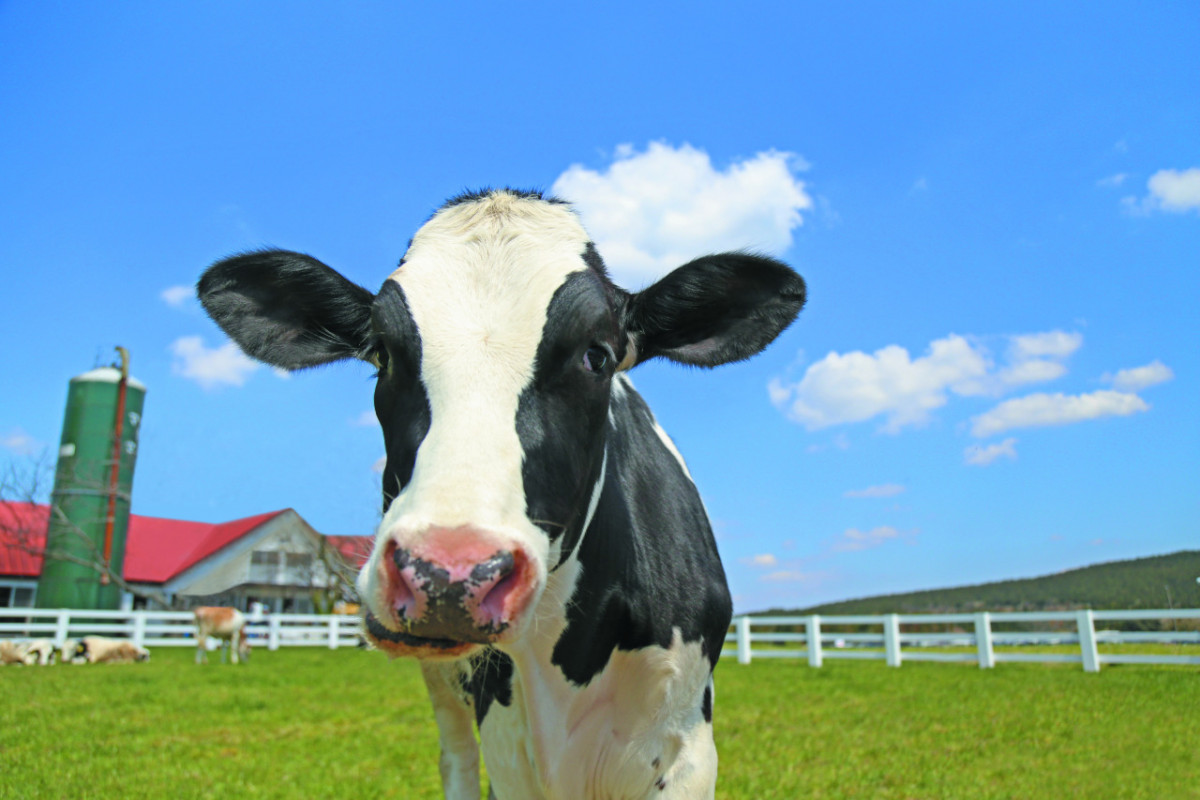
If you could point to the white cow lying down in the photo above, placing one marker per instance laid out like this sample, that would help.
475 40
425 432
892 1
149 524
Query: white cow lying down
102 650
37 652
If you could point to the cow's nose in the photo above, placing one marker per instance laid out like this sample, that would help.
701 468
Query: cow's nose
445 595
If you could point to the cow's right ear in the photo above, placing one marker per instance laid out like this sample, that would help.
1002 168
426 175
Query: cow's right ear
287 309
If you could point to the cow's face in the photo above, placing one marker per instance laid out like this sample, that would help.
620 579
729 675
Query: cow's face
496 343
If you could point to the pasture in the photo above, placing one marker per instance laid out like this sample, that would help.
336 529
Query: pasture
320 723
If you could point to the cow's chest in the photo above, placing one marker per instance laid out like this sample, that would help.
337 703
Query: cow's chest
637 730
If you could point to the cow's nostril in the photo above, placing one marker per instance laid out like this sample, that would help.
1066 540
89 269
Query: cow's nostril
495 568
402 598
499 602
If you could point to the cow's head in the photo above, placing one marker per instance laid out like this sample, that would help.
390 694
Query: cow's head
496 341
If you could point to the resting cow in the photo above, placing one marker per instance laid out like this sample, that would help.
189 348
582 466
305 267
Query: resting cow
543 550
102 650
40 652
225 624
11 652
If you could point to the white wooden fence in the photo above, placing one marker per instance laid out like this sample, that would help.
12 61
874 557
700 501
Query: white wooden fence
889 643
176 628
893 645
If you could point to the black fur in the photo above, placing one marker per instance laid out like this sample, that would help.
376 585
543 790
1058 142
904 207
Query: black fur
649 559
716 309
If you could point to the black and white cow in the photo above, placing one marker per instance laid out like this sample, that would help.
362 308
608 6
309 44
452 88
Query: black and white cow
543 550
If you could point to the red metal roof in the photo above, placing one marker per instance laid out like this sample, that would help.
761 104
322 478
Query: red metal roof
156 549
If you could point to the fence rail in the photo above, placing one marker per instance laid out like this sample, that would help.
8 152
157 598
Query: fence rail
176 628
978 644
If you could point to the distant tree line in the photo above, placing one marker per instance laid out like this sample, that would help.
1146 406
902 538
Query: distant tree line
1167 581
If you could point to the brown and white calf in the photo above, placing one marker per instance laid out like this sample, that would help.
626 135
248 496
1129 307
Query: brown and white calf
225 624
103 650
543 550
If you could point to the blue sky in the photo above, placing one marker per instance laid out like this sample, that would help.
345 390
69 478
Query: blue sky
996 207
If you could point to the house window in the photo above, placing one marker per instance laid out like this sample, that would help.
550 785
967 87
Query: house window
264 566
17 595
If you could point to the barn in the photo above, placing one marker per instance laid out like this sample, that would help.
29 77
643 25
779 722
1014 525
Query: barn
276 559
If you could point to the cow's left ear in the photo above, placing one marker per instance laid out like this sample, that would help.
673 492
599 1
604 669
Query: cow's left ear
714 310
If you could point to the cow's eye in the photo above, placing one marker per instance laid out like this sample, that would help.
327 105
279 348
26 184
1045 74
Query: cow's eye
381 360
595 358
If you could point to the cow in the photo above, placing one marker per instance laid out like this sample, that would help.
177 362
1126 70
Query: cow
543 551
40 652
103 650
11 652
225 624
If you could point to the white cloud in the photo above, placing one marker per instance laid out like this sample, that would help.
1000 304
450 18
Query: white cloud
367 419
980 456
761 560
176 296
379 465
854 539
1113 180
652 211
1138 378
858 386
1039 410
883 490
210 367
19 442
1177 191
1051 344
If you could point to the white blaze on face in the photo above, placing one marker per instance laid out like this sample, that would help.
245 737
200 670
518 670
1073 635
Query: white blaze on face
478 279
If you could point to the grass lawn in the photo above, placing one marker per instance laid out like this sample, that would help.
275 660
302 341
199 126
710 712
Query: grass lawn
315 723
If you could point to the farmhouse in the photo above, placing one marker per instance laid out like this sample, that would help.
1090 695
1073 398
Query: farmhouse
276 559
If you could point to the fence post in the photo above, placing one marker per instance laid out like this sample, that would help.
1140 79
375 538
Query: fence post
743 640
891 639
983 640
273 632
813 628
139 628
1087 640
62 627
333 632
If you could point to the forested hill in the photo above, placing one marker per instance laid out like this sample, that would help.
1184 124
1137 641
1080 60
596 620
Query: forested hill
1138 583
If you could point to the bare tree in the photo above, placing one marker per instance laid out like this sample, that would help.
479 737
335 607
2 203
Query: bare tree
24 527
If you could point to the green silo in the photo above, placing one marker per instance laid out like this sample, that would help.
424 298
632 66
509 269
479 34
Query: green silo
92 485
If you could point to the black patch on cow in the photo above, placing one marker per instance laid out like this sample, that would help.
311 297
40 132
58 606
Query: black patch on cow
401 403
562 414
490 678
706 703
649 560
287 309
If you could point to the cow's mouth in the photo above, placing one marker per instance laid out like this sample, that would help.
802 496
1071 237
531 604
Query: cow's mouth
398 643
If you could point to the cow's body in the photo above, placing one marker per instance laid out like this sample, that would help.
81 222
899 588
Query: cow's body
544 551
103 650
11 652
225 624
40 652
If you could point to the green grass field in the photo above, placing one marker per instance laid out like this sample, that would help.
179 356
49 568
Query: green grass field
315 723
